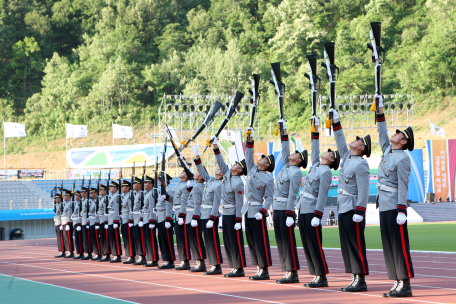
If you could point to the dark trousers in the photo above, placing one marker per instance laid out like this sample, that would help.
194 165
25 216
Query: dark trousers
138 236
257 236
312 241
115 244
353 244
78 241
166 241
151 244
286 241
212 240
59 236
129 241
86 242
94 241
183 243
195 236
68 237
103 240
396 248
234 242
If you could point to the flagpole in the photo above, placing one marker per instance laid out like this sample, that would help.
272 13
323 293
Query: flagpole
4 145
66 142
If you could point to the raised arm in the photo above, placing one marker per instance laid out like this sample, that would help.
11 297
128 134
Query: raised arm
315 153
341 143
285 146
201 170
362 182
249 154
403 175
382 130
221 163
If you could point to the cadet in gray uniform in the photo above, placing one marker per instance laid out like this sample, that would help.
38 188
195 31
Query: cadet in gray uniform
232 201
85 224
164 209
58 207
94 223
114 206
104 227
138 222
311 204
67 222
210 215
287 185
76 217
351 204
149 218
180 197
393 179
259 191
126 216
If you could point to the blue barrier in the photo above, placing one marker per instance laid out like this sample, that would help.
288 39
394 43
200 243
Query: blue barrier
27 214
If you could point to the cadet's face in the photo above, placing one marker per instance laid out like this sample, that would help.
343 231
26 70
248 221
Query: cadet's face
113 189
183 176
78 197
328 156
198 178
67 197
236 169
84 194
102 192
137 187
295 157
147 186
398 139
218 174
356 145
159 182
125 189
263 163
58 200
93 194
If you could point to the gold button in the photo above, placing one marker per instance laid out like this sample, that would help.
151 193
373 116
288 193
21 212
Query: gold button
346 181
387 174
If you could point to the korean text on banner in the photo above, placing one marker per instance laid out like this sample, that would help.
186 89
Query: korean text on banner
76 131
440 170
119 131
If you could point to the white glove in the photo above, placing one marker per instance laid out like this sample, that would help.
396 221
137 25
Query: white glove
335 114
380 100
196 150
237 226
167 225
140 224
284 124
151 226
315 118
290 221
194 223
67 228
87 226
161 198
214 140
252 131
115 226
259 216
78 228
357 218
97 227
130 225
210 224
315 222
181 221
401 218
189 184
61 227
106 226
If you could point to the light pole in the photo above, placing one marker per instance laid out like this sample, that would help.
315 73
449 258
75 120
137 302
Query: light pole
154 136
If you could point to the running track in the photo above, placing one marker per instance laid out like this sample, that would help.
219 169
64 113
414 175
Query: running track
434 282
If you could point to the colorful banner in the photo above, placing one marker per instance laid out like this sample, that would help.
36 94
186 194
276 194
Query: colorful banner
452 166
22 174
416 181
94 174
260 149
440 180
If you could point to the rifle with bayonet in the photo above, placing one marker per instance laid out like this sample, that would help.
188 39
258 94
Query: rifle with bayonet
61 195
164 182
330 66
255 98
279 88
313 85
229 113
155 191
80 201
180 159
97 201
120 191
132 180
107 191
88 198
142 185
375 34
53 192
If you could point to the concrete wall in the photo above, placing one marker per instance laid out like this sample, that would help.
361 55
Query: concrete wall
33 229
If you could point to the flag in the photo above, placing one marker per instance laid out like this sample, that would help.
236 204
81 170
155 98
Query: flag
119 131
76 131
436 130
13 129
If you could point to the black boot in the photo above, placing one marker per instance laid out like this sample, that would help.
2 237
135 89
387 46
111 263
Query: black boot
96 258
87 257
357 285
167 265
69 256
105 258
235 273
262 274
216 269
289 277
79 256
393 290
60 255
200 266
117 259
151 264
130 260
403 289
185 265
141 261
318 281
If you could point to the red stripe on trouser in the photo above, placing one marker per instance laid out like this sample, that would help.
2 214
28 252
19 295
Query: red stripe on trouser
404 250
117 241
129 240
359 248
169 243
107 241
142 241
240 248
292 249
185 235
265 244
69 240
199 245
321 251
98 244
153 245
88 240
216 246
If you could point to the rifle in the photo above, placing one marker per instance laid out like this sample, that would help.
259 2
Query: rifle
312 76
72 192
229 113
155 192
207 121
375 34
254 98
279 87
132 196
142 184
88 197
181 160
53 196
162 173
107 190
80 201
120 181
61 195
328 53
97 202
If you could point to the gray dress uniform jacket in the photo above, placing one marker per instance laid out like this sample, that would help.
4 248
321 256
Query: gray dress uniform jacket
314 192
353 178
93 215
148 214
180 197
126 215
288 182
259 187
67 212
58 215
393 173
113 209
232 190
76 216
84 207
102 215
195 200
165 208
211 193
139 198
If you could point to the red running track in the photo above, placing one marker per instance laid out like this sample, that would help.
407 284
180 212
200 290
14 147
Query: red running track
435 280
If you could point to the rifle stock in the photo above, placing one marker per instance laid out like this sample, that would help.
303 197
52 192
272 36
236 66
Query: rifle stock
162 173
330 66
314 79
375 33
